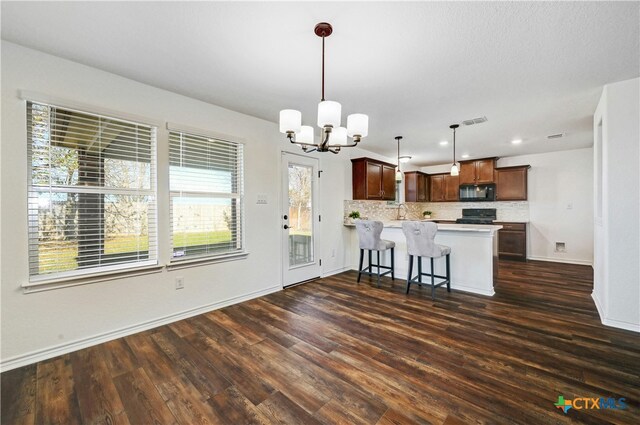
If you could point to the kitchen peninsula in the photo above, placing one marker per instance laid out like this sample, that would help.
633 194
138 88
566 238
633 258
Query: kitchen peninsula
474 254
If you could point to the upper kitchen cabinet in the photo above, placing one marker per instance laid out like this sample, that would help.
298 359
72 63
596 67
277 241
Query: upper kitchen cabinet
373 179
444 187
511 183
416 186
477 171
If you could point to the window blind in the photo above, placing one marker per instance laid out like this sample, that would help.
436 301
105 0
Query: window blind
92 193
206 186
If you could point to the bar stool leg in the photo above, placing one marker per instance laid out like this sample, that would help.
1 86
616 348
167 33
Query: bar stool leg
433 283
392 267
360 266
370 268
419 269
448 275
378 256
409 273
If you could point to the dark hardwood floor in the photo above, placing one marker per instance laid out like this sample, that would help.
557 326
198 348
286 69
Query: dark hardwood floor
333 351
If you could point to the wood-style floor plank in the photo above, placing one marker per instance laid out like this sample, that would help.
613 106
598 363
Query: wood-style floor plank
336 352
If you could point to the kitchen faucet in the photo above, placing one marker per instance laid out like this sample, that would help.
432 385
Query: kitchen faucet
402 215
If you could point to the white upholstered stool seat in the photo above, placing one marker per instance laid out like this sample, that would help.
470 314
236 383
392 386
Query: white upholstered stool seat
369 239
420 237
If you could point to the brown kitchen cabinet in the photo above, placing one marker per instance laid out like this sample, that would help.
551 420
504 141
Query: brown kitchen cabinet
511 183
477 171
416 186
373 179
512 241
444 187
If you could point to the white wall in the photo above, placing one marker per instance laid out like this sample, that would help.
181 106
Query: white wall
560 196
617 221
40 325
556 181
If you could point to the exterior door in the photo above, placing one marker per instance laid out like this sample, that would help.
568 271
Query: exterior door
299 219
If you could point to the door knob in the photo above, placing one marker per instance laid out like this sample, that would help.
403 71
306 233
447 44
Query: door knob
285 226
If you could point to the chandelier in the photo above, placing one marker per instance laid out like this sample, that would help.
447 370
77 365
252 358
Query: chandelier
333 136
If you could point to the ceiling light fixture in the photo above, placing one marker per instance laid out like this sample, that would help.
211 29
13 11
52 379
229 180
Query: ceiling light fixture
444 143
404 159
333 137
398 172
465 156
454 166
516 141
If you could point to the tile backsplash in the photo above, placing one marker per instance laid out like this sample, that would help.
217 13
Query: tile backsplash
381 210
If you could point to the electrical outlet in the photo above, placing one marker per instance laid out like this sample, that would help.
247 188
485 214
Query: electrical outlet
561 247
179 283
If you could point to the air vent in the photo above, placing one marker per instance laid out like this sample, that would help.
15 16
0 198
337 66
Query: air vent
555 136
475 121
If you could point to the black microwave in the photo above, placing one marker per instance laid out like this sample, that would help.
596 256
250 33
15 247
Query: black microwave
477 192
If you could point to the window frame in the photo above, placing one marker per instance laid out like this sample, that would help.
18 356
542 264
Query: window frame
208 258
46 281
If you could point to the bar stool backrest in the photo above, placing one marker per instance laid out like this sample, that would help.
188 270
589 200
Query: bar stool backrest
420 237
369 234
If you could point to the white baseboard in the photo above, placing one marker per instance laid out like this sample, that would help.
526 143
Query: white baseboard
599 306
337 271
635 327
561 260
47 353
471 289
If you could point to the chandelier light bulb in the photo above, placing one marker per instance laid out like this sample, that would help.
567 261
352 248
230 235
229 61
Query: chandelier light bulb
338 136
329 113
358 125
305 135
290 121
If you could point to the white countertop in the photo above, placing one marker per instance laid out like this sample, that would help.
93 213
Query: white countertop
397 224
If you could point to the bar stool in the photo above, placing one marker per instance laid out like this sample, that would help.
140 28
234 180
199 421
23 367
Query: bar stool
420 242
369 237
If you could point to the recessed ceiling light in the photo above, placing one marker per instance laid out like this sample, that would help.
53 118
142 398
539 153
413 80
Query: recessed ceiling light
404 159
465 155
516 141
444 143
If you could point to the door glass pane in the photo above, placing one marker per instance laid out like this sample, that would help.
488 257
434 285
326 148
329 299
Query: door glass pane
300 215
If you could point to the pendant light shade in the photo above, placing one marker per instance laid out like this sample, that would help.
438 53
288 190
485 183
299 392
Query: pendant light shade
329 113
290 121
357 125
338 136
454 170
454 167
305 135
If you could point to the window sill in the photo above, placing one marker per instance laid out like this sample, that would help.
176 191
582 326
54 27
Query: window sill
204 261
47 285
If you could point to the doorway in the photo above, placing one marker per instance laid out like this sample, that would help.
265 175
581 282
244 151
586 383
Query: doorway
299 219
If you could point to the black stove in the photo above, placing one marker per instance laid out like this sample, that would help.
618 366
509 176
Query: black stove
477 216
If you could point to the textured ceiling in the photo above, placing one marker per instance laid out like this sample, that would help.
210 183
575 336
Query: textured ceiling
532 68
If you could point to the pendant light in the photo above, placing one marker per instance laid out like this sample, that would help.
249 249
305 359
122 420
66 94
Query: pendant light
454 167
398 173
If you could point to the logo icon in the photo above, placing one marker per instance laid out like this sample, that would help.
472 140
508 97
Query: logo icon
563 404
580 403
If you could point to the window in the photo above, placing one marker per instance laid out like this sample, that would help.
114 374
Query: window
206 177
92 193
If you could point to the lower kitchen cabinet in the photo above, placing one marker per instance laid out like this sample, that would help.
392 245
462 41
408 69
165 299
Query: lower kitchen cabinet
512 241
